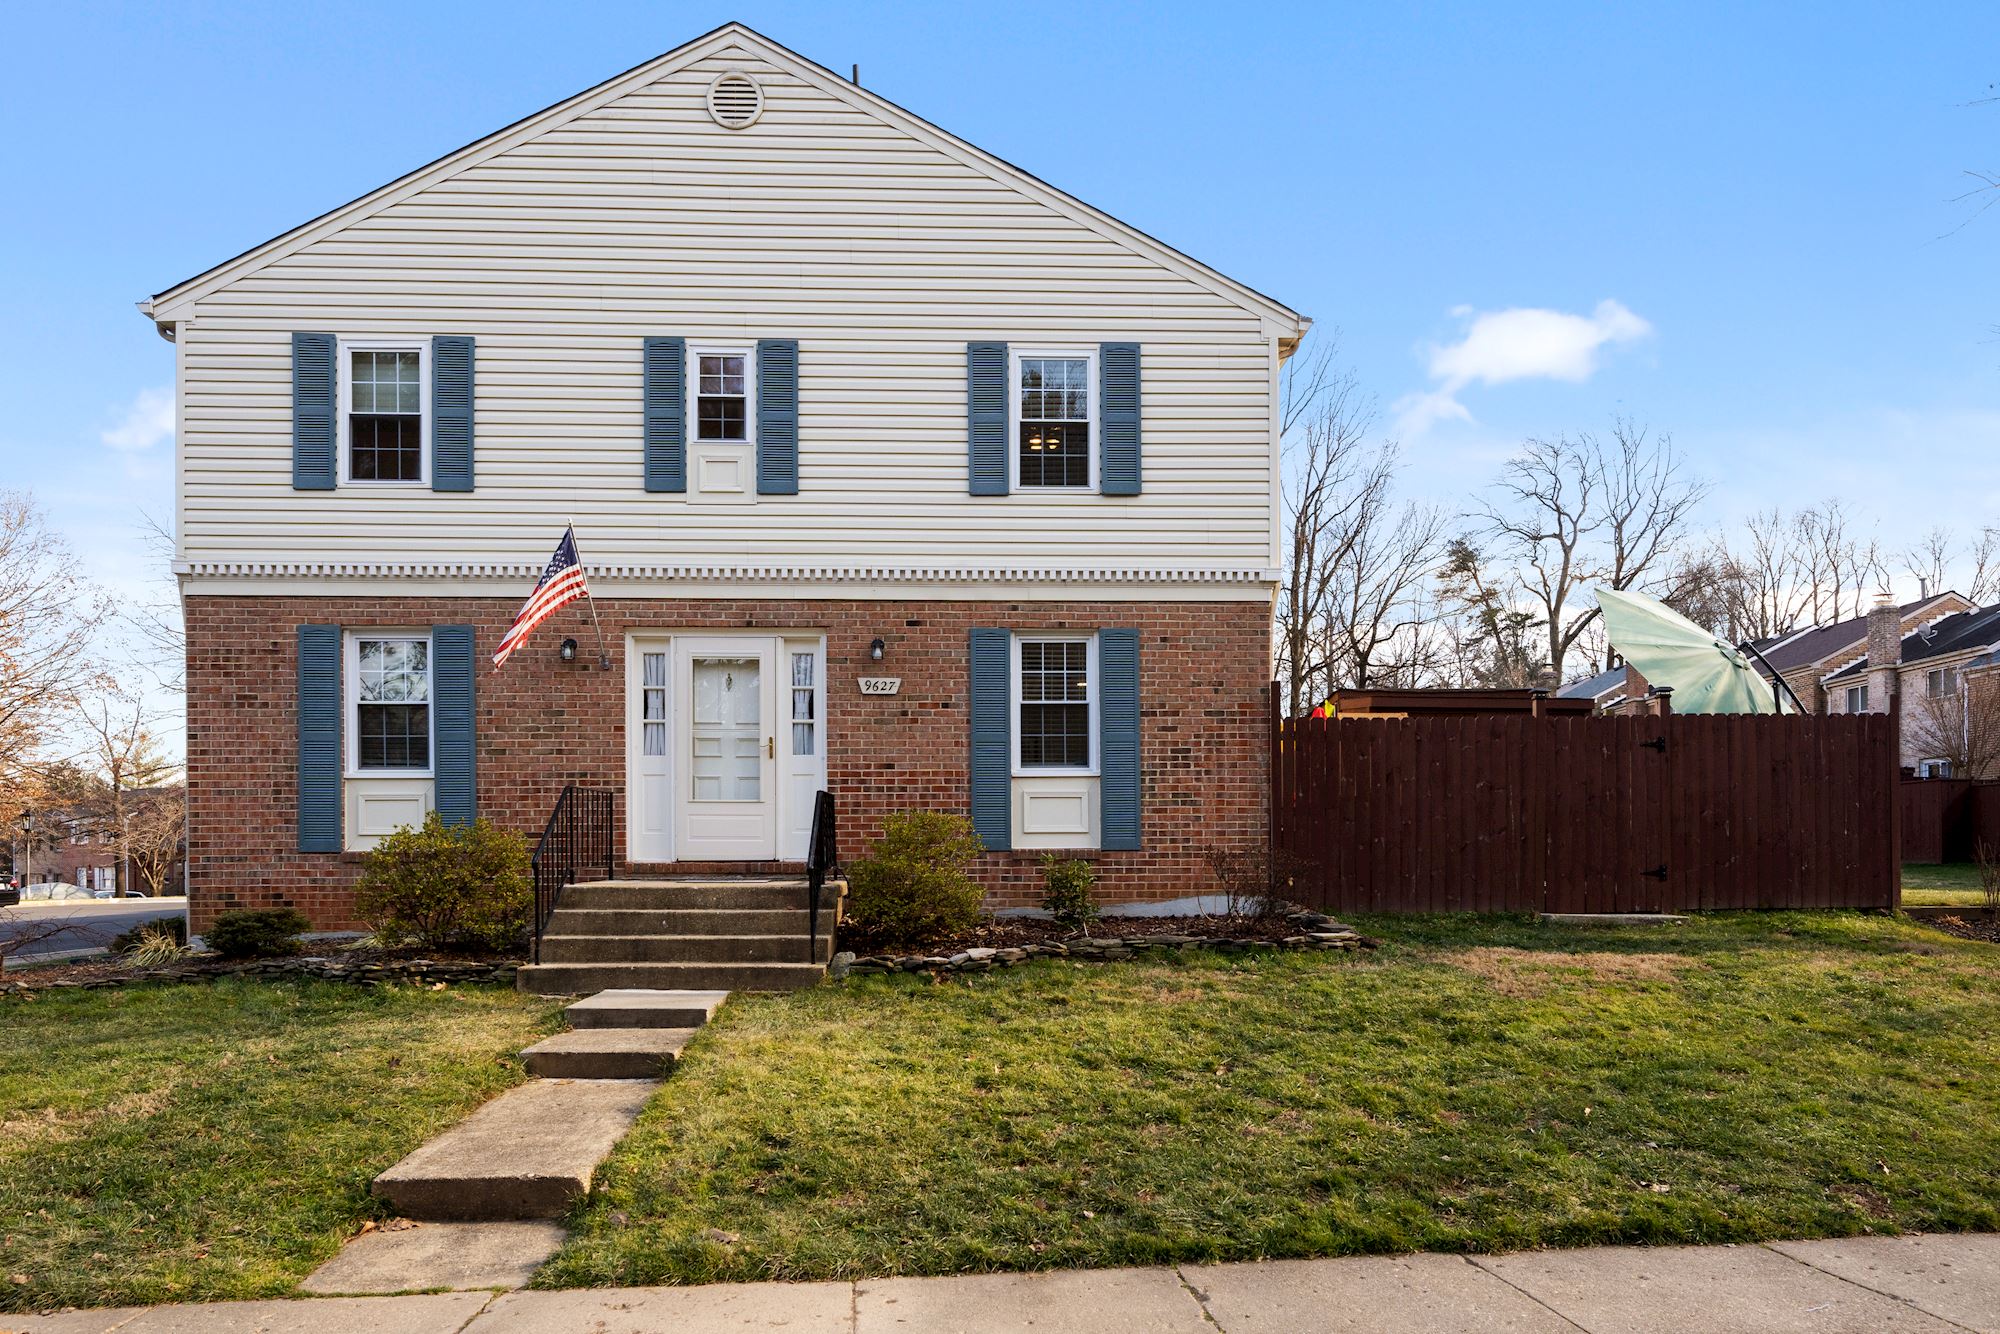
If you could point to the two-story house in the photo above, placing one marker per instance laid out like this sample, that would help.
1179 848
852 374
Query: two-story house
828 394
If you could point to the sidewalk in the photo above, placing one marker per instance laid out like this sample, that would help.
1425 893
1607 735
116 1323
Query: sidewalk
1933 1283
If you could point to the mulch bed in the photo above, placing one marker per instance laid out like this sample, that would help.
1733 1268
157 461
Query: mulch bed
1974 925
1015 932
115 971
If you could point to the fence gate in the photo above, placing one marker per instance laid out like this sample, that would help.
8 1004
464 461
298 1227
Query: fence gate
1511 813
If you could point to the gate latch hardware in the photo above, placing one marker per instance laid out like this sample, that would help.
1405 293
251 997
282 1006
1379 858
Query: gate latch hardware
1658 743
1658 872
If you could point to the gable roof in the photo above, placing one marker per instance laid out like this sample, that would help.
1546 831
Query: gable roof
1803 648
1954 634
1592 687
161 306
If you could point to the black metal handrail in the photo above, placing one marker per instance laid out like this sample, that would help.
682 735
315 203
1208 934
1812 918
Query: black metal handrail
822 855
576 838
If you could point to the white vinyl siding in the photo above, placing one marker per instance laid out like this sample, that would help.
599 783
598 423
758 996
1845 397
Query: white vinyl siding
879 253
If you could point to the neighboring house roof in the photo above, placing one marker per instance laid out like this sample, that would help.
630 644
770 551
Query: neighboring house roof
1595 687
1804 648
708 44
1968 631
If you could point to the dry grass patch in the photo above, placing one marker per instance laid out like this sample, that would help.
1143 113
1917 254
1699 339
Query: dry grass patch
1526 974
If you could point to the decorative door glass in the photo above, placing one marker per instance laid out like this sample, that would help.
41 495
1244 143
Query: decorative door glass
653 703
804 694
726 735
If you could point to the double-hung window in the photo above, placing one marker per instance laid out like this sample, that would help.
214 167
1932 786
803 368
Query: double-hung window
1857 699
1055 419
1940 682
1055 704
722 397
389 704
385 395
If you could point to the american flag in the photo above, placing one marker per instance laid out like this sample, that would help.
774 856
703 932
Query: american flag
562 583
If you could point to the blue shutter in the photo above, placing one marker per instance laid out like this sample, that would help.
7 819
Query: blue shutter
452 761
1118 738
666 414
986 417
777 417
451 413
1118 419
992 741
313 412
319 738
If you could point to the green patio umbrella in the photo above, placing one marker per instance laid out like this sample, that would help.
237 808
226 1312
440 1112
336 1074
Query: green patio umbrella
1708 675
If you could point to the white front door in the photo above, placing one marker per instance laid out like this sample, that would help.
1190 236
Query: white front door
726 788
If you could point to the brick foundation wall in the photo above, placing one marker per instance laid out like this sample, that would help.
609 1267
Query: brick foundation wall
542 723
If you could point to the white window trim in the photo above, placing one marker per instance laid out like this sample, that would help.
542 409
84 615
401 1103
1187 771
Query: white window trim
693 391
1015 356
350 689
1094 686
344 371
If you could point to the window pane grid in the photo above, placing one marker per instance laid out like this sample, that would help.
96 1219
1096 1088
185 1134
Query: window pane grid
804 668
392 726
1054 442
385 416
721 399
1055 704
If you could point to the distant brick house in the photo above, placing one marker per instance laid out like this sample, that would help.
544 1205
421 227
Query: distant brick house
1942 679
1807 657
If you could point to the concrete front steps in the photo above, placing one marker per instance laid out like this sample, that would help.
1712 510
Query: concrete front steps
691 932
531 1152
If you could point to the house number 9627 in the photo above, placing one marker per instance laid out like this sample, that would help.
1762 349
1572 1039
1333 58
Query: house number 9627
880 685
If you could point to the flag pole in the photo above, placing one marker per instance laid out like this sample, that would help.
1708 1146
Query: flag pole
603 653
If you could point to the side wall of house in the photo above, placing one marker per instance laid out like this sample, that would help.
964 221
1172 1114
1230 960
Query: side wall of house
541 723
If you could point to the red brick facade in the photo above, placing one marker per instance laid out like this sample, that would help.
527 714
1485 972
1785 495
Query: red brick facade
542 723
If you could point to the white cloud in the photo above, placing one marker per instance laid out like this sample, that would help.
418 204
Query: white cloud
147 422
1523 343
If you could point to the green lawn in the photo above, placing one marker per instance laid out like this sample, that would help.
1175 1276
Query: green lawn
1955 883
216 1140
1475 1084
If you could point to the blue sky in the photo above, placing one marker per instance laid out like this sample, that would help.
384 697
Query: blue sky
1735 218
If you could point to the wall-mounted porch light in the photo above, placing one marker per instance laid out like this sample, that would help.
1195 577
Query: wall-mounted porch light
568 650
875 651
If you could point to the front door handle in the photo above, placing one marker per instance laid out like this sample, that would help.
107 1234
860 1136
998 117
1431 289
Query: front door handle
770 748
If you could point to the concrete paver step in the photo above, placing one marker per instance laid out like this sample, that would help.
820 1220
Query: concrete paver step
608 1053
633 1007
687 949
528 1153
579 979
568 921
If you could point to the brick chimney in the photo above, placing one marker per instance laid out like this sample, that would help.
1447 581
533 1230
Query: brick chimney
1885 652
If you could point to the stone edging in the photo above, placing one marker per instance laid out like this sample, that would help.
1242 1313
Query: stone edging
1317 931
363 972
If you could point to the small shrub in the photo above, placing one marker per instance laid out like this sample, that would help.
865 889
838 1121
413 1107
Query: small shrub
156 946
1989 876
1069 892
257 933
174 928
1249 875
447 887
913 886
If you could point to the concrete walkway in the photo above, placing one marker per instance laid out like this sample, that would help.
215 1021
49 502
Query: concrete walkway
1937 1283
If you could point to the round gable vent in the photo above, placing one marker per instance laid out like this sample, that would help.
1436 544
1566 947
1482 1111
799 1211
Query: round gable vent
735 100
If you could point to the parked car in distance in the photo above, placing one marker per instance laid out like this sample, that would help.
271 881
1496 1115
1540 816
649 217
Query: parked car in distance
9 895
55 891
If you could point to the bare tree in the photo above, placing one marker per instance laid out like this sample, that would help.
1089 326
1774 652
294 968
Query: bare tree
154 615
1985 585
151 840
1928 559
1962 728
125 751
48 614
1379 622
1544 521
1649 501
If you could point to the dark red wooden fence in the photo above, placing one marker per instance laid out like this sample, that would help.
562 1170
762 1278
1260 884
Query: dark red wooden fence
1508 813
1946 819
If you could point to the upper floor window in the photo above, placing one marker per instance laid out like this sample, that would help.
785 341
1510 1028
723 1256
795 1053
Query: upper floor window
1857 699
1940 682
386 398
722 400
389 701
1055 419
1055 704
